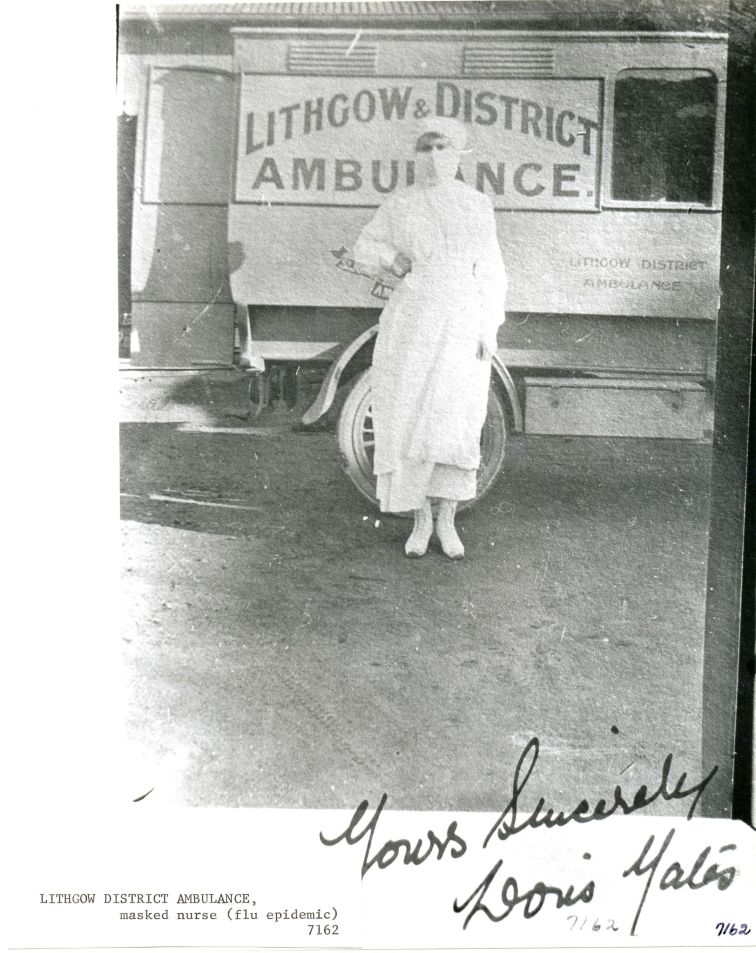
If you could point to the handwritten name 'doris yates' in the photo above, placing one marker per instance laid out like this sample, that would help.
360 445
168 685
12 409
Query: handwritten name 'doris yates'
497 895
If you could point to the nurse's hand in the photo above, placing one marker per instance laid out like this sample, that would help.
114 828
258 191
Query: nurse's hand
401 265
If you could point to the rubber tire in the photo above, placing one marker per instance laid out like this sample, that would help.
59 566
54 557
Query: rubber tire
354 431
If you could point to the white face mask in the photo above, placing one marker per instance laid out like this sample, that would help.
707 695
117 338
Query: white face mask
436 159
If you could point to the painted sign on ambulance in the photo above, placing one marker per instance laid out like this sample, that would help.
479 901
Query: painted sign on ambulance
349 141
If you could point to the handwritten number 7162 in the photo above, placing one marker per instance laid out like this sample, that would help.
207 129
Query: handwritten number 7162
731 929
597 925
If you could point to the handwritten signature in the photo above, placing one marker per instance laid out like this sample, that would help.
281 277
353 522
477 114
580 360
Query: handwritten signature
507 823
496 896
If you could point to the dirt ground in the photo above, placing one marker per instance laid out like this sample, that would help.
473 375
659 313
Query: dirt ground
282 652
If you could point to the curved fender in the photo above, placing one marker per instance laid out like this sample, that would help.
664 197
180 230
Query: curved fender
328 388
505 377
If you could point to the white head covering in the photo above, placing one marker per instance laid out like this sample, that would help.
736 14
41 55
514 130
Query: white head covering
452 129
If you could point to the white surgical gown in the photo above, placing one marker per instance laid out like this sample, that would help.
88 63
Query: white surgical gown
429 382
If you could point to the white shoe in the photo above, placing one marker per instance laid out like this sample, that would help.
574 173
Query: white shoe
417 544
446 531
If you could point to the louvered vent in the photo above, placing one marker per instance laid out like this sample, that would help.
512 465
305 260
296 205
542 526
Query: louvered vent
479 60
342 58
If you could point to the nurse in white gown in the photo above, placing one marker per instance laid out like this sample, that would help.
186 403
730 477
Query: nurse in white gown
437 333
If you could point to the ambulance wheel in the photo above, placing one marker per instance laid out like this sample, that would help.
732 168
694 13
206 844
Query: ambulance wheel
357 440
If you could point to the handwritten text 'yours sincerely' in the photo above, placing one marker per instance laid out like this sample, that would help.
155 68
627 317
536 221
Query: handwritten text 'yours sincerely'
497 896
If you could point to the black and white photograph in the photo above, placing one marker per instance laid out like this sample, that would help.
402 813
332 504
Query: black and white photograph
434 280
434 357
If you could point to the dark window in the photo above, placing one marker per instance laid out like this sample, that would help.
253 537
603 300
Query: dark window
664 136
